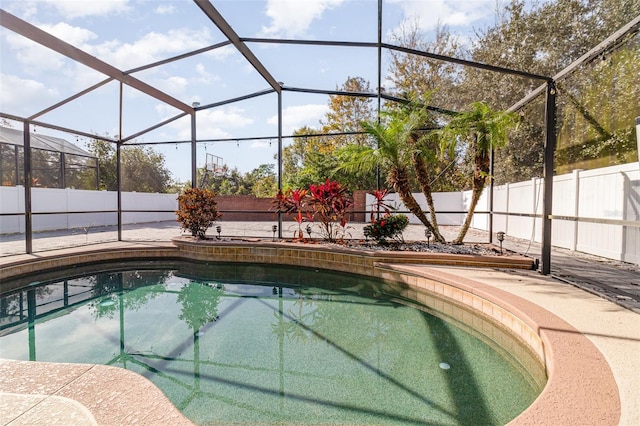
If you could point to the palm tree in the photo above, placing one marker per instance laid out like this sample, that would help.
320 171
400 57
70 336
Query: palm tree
393 153
486 129
421 154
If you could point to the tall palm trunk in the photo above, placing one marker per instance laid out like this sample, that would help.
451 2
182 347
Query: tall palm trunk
482 168
422 175
398 178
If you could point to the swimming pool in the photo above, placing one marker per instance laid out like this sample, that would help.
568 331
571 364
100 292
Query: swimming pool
243 343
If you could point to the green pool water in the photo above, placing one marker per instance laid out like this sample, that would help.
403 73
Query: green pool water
247 344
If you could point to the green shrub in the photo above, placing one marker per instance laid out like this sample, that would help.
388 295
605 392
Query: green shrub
387 227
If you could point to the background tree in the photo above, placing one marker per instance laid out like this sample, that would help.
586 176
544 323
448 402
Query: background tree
105 152
143 169
313 158
420 75
595 131
347 112
261 181
544 39
429 82
308 159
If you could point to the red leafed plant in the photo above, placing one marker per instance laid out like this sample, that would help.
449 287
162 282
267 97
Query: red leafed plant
293 201
380 203
197 211
329 203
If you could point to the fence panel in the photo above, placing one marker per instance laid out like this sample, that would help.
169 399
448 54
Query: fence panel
611 193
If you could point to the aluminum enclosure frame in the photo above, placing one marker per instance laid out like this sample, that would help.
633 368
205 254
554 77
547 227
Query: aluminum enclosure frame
125 78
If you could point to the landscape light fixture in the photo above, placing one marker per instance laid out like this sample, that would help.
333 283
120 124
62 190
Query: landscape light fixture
218 230
428 234
274 229
501 239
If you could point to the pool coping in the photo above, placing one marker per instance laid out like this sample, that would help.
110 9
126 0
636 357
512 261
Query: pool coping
581 388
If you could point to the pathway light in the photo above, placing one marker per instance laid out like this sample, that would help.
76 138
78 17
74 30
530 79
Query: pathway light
428 234
501 235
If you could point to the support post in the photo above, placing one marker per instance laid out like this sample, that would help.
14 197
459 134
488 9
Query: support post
119 163
280 159
194 148
63 171
378 175
26 164
491 154
549 153
119 184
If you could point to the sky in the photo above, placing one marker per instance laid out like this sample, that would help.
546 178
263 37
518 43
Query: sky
130 33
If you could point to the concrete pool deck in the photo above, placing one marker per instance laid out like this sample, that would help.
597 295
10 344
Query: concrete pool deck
613 330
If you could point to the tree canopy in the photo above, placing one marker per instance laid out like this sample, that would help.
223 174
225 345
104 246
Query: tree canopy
142 168
314 156
596 104
261 181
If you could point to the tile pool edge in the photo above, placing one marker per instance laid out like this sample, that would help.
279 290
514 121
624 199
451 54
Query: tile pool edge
580 388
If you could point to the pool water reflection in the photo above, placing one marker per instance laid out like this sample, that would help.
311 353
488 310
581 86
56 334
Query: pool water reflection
238 343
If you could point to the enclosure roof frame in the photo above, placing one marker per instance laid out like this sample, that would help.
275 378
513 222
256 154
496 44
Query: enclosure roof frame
43 38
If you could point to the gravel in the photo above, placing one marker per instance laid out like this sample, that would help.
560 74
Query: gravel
420 246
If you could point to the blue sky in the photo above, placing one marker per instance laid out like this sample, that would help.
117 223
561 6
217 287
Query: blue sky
129 33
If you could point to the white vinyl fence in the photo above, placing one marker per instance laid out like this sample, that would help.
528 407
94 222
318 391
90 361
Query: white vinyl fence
90 203
606 200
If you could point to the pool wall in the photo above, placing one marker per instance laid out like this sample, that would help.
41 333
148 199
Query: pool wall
580 388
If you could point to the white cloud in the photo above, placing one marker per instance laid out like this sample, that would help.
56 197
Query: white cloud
24 9
294 117
81 8
32 56
150 48
18 93
211 123
165 9
224 53
205 77
261 144
72 35
224 117
36 58
174 85
446 12
290 18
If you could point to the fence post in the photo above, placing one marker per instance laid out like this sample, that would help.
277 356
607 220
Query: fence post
507 209
534 206
576 207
